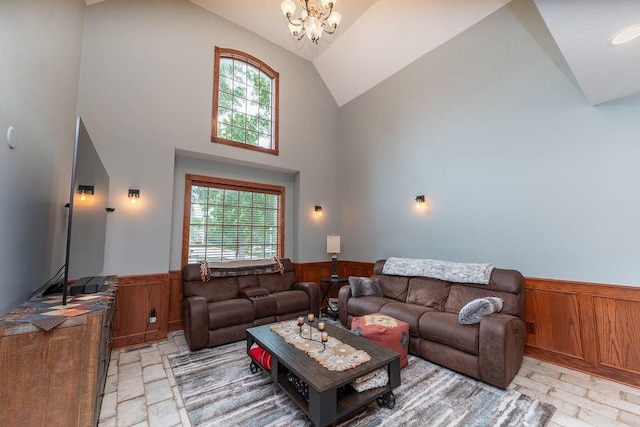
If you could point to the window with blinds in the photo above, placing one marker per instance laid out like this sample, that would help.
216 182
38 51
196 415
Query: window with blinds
228 220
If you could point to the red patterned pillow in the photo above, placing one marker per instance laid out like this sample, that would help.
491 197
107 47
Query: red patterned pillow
261 355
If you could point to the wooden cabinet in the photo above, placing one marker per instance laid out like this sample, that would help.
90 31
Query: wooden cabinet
55 377
137 296
589 327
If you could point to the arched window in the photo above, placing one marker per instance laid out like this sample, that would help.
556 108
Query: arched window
245 102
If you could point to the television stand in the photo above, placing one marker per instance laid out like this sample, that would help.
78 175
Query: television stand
56 376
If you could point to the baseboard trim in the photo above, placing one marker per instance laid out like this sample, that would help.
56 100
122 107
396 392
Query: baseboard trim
570 362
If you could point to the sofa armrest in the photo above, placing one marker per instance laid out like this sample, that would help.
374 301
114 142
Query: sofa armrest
253 292
501 348
195 316
313 290
343 298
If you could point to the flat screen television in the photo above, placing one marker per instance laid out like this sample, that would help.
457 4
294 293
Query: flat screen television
86 221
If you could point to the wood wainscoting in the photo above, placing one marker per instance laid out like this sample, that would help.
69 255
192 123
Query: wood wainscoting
314 271
175 301
137 295
590 327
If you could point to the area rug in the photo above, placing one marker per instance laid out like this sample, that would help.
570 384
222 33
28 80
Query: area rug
218 388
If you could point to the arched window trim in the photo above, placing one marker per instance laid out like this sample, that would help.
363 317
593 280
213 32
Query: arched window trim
271 73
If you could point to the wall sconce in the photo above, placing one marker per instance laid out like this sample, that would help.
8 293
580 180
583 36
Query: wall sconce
85 190
318 210
420 201
134 195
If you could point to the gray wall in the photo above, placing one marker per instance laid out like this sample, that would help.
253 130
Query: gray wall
146 91
40 45
519 169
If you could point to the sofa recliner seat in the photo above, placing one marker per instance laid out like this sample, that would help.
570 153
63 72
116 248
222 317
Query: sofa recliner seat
219 311
490 351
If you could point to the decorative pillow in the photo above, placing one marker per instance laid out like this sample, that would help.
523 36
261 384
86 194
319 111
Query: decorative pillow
365 286
375 379
261 355
475 310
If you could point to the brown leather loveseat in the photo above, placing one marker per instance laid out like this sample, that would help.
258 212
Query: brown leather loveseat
490 351
219 311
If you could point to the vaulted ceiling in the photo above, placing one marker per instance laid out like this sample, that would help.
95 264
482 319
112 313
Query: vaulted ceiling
376 38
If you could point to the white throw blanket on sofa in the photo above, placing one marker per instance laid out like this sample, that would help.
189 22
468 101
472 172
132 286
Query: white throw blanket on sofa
444 270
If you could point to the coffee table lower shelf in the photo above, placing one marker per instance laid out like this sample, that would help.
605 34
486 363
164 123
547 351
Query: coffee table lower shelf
346 404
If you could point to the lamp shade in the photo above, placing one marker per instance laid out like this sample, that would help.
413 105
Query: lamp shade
333 244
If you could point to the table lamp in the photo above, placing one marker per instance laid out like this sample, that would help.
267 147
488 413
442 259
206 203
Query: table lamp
333 247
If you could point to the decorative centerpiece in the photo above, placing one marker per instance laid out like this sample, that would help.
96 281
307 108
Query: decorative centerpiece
324 336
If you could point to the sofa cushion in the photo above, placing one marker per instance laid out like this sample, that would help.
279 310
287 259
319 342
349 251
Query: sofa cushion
264 306
460 295
366 305
428 292
408 313
230 313
216 289
191 273
505 280
378 267
290 301
276 282
365 287
450 357
247 282
444 328
253 292
475 310
393 286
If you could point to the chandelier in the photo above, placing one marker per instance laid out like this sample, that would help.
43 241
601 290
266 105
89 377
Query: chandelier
314 19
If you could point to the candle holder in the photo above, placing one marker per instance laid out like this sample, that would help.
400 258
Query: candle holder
324 336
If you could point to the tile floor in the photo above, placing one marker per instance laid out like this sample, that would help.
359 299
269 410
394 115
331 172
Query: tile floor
141 391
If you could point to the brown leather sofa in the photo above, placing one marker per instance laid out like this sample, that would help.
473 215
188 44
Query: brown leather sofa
490 351
219 311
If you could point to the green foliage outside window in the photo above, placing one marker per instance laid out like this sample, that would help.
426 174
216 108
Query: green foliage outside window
245 103
230 225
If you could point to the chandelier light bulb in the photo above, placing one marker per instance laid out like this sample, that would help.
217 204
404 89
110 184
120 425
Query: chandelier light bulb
288 7
334 19
313 27
295 29
328 4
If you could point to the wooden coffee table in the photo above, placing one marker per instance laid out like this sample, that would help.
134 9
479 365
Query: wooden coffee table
324 406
